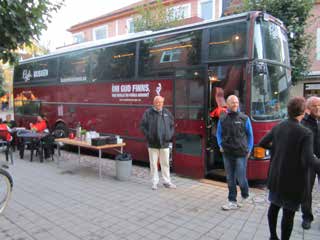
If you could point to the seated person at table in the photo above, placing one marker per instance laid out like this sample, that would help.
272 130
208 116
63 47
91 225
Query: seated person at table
40 125
11 123
6 131
5 136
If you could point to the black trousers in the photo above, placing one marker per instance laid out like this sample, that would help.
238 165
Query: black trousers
306 206
286 222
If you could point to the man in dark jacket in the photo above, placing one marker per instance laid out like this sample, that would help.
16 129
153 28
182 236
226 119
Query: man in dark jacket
235 139
157 126
291 155
311 121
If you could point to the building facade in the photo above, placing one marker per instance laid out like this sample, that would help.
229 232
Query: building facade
311 85
120 22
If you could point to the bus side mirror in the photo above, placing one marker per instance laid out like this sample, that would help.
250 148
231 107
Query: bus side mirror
260 69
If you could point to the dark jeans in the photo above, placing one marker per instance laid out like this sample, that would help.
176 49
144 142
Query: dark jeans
306 206
236 170
286 222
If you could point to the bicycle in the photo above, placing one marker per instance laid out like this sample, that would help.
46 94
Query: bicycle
6 184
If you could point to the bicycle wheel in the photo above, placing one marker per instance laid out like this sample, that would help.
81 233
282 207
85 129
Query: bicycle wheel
5 188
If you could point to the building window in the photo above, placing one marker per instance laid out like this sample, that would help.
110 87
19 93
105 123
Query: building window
100 32
130 25
117 27
171 56
318 43
311 89
206 9
180 11
78 37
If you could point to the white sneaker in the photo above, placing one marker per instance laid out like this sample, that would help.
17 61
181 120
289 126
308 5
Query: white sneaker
230 206
154 186
244 201
169 185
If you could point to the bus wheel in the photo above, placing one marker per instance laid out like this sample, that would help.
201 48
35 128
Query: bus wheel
60 131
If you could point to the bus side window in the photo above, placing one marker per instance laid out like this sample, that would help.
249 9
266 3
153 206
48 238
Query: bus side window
115 62
166 55
228 41
75 67
189 95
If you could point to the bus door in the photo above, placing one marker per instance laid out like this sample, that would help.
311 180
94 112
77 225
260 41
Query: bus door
224 80
189 140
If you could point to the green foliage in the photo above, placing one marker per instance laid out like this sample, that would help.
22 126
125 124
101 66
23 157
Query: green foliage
21 22
155 17
35 49
294 14
2 91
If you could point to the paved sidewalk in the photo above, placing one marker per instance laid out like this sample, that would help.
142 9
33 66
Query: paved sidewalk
71 203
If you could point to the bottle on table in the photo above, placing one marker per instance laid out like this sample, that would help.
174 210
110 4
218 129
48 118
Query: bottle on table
78 131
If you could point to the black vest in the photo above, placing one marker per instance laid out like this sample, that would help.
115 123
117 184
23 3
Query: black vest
314 126
234 137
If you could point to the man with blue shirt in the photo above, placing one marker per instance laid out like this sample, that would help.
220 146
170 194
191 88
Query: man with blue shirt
235 140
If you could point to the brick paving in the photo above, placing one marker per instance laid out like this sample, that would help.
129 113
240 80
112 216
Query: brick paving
72 203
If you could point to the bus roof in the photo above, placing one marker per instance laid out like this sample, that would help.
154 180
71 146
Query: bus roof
139 35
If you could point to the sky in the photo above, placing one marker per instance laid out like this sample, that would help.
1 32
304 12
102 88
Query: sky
73 12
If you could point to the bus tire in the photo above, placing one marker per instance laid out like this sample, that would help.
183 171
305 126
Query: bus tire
60 131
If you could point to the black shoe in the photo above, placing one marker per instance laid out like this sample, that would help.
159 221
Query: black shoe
274 238
306 224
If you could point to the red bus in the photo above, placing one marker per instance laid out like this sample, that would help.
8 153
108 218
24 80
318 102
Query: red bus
107 85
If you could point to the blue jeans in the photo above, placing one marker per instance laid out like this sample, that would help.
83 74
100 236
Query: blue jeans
236 170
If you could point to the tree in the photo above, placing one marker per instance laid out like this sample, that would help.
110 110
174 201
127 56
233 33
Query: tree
155 16
2 91
35 49
294 14
21 22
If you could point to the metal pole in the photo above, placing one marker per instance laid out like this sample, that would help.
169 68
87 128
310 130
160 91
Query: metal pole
100 174
79 154
58 158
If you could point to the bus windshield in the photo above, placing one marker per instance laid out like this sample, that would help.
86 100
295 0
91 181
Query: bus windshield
270 42
270 82
269 91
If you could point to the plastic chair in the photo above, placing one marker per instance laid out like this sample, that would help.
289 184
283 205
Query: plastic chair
28 141
47 144
5 146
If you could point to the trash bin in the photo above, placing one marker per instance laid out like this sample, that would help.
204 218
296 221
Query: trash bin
123 166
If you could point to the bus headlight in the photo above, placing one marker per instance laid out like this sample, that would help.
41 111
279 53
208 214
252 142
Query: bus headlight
261 153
